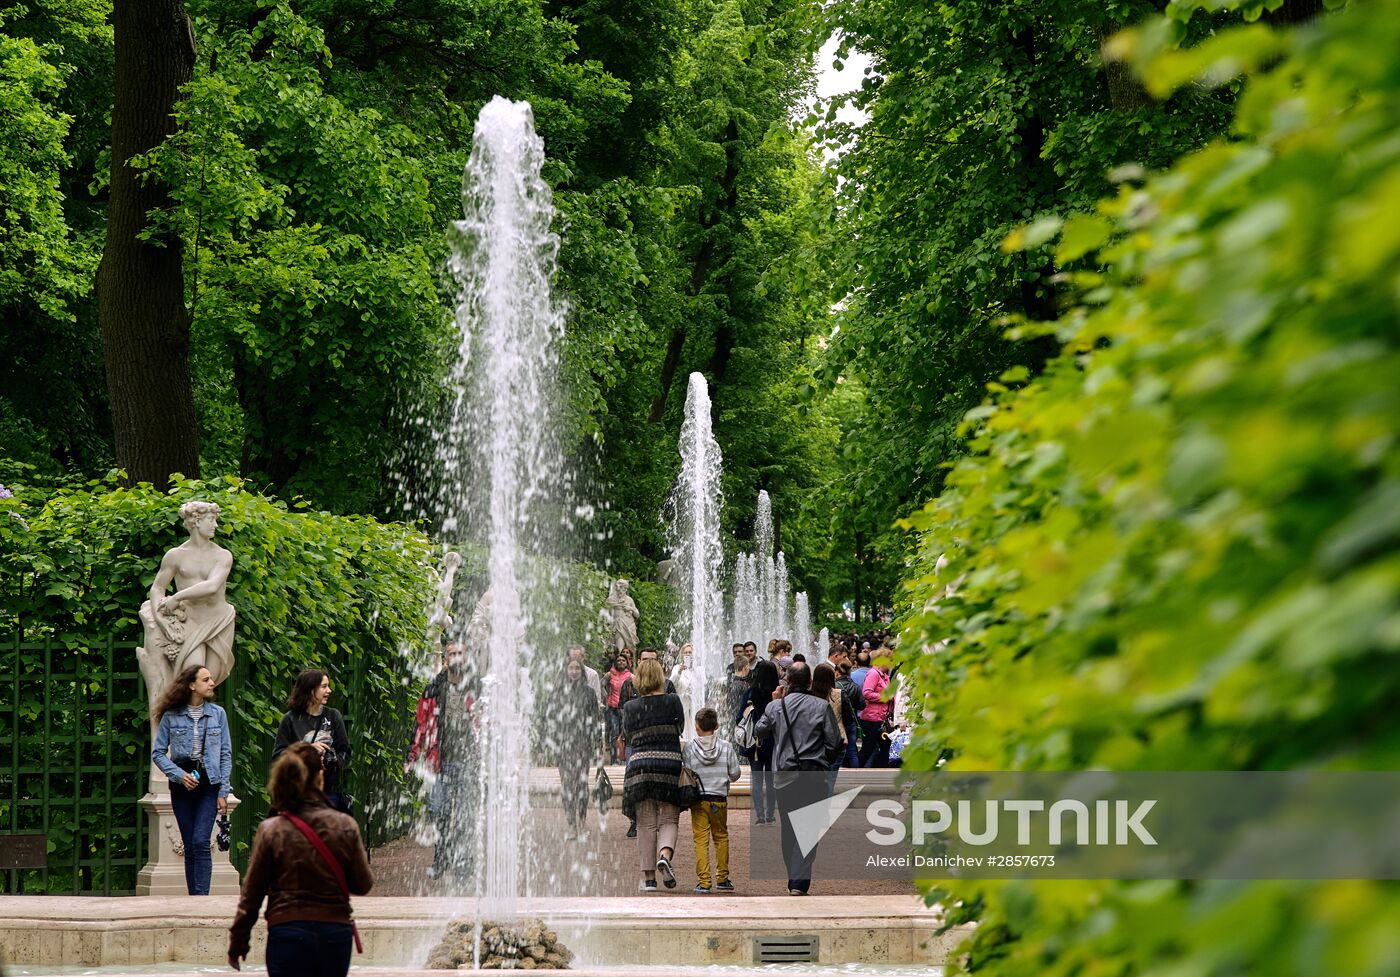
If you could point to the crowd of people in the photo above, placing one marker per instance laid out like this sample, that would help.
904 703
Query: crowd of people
778 714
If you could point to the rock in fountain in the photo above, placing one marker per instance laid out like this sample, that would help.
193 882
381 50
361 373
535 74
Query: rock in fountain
695 542
528 945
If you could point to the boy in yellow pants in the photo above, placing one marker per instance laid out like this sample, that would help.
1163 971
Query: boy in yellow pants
716 766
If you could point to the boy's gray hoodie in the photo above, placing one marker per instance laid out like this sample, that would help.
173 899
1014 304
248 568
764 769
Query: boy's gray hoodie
715 763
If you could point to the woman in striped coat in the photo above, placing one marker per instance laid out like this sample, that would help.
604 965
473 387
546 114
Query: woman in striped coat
652 723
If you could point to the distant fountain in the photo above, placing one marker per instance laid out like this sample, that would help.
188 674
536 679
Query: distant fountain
500 458
823 644
696 545
779 608
802 627
762 602
747 617
763 555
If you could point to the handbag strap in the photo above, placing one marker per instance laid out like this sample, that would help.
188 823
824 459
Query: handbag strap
787 726
320 845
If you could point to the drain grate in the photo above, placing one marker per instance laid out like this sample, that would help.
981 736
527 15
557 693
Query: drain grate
784 949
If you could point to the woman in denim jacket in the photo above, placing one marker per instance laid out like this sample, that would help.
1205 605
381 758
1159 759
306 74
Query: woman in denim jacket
192 748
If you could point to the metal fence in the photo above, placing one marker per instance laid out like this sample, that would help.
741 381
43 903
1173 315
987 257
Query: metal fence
74 749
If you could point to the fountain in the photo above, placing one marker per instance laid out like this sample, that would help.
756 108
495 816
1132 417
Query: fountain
802 628
695 542
762 601
500 457
746 621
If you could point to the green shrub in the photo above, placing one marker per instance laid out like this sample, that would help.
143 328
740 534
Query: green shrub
344 593
1179 548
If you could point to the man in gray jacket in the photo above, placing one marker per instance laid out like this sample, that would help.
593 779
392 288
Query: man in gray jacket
808 740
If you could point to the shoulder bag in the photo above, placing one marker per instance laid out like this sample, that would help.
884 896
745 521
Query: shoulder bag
689 788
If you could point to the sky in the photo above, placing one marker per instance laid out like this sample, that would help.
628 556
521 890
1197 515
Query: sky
833 82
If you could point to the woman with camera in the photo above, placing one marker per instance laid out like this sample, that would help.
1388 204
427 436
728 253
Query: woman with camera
307 861
310 720
192 748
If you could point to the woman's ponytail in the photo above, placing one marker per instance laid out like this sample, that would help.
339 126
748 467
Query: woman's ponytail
293 776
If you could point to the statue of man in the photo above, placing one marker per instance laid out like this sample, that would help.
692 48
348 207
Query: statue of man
194 625
620 613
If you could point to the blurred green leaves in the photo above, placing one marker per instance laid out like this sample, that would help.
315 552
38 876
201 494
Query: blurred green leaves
1177 547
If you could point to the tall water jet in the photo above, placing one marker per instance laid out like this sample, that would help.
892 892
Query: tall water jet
763 555
778 609
501 458
802 627
823 644
747 617
696 545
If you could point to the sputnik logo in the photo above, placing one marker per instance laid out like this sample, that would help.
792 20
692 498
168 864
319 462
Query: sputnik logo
811 823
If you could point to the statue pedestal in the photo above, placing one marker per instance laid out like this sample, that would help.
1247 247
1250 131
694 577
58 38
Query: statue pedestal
164 872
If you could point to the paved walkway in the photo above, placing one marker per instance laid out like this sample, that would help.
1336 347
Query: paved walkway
607 863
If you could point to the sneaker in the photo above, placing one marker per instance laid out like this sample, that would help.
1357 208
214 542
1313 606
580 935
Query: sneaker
663 869
647 885
725 886
796 892
702 890
632 833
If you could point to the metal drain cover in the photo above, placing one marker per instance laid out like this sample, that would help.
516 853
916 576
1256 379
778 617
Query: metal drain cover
784 949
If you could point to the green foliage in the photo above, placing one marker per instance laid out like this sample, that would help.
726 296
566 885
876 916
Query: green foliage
1177 548
314 171
310 246
312 589
981 117
47 398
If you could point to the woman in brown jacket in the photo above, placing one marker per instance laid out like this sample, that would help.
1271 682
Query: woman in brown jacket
308 911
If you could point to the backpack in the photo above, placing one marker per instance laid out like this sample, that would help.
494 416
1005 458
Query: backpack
851 701
744 740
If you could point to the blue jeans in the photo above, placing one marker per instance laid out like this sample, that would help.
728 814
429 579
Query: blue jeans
614 726
194 812
852 758
832 773
308 949
798 792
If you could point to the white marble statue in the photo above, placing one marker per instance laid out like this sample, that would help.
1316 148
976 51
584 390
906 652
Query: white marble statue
440 613
619 614
194 625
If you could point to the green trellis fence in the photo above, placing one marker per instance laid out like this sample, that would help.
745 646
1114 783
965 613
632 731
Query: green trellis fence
72 763
74 754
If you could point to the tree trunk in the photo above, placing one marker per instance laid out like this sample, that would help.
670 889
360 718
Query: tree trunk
1295 12
140 284
1125 92
1037 297
699 276
858 576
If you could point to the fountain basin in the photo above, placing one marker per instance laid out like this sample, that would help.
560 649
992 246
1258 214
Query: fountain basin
679 931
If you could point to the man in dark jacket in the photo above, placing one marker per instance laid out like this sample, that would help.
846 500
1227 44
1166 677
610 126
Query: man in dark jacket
804 729
445 746
629 691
